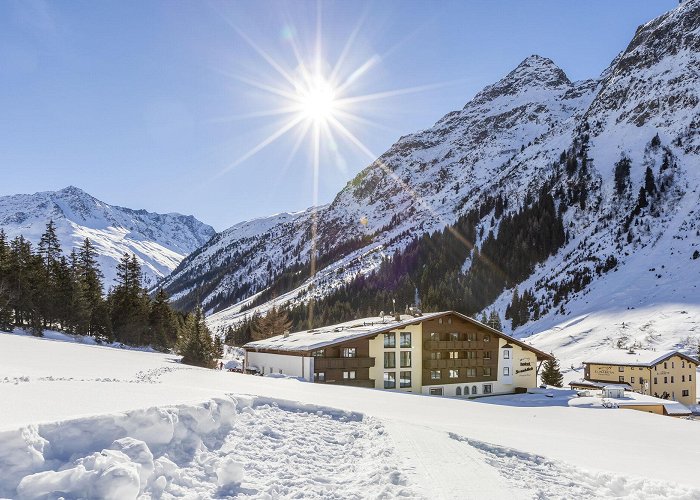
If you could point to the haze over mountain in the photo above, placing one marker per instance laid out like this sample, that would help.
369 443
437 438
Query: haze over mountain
160 241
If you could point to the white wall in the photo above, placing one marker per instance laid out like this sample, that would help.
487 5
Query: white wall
296 366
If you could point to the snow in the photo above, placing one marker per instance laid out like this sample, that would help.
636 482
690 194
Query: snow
309 340
193 431
639 357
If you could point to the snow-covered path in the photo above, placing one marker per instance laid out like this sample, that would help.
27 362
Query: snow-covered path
460 472
403 444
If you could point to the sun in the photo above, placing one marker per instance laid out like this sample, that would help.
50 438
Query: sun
317 100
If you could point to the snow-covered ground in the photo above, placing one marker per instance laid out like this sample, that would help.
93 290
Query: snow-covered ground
91 421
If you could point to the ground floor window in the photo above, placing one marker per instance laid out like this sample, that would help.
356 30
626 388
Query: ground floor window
405 379
320 377
506 371
436 391
389 380
349 375
686 392
475 390
622 378
487 389
458 391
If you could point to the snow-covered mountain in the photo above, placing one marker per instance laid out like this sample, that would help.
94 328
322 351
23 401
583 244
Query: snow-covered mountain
623 256
160 241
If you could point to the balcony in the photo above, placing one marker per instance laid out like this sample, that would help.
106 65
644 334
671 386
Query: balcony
434 345
367 383
436 364
342 363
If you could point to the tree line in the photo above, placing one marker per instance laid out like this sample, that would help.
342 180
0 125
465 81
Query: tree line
42 288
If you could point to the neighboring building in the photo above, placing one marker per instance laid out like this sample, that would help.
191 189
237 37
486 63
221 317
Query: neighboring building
666 375
445 353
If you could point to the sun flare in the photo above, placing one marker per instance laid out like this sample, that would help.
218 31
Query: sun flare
317 101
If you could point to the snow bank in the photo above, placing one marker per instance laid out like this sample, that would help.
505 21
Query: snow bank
240 446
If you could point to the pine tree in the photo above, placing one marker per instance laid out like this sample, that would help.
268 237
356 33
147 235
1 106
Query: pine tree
649 183
162 322
275 322
495 320
551 373
5 287
195 343
622 174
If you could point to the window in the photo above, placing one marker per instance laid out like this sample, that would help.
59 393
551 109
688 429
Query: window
434 336
685 392
449 321
487 389
632 380
320 377
405 379
405 359
682 378
454 373
454 354
621 368
349 352
665 380
471 336
319 354
475 390
656 380
487 354
506 371
389 360
390 340
389 380
487 371
454 336
665 364
471 354
435 354
621 378
435 375
471 372
487 338
349 375
506 354
436 391
682 364
405 339
672 379
673 364
458 391
690 378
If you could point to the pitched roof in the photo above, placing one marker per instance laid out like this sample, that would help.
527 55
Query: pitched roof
640 357
318 338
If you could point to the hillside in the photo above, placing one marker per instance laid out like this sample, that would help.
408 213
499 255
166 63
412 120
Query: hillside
160 241
582 195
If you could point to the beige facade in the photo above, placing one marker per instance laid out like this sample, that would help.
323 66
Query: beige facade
399 358
671 378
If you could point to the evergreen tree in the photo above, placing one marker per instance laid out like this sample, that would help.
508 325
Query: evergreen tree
649 183
195 343
162 322
495 320
5 287
551 373
275 322
622 174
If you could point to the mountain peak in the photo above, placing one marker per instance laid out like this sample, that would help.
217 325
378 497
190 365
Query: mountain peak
541 70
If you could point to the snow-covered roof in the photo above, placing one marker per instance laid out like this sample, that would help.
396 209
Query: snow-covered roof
637 358
636 399
595 385
318 338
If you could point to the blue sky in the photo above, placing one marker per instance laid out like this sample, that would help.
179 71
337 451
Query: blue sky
149 104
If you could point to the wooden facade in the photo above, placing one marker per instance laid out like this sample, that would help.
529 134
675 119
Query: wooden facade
332 365
451 343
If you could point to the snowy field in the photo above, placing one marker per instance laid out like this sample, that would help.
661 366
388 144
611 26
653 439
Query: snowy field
80 420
